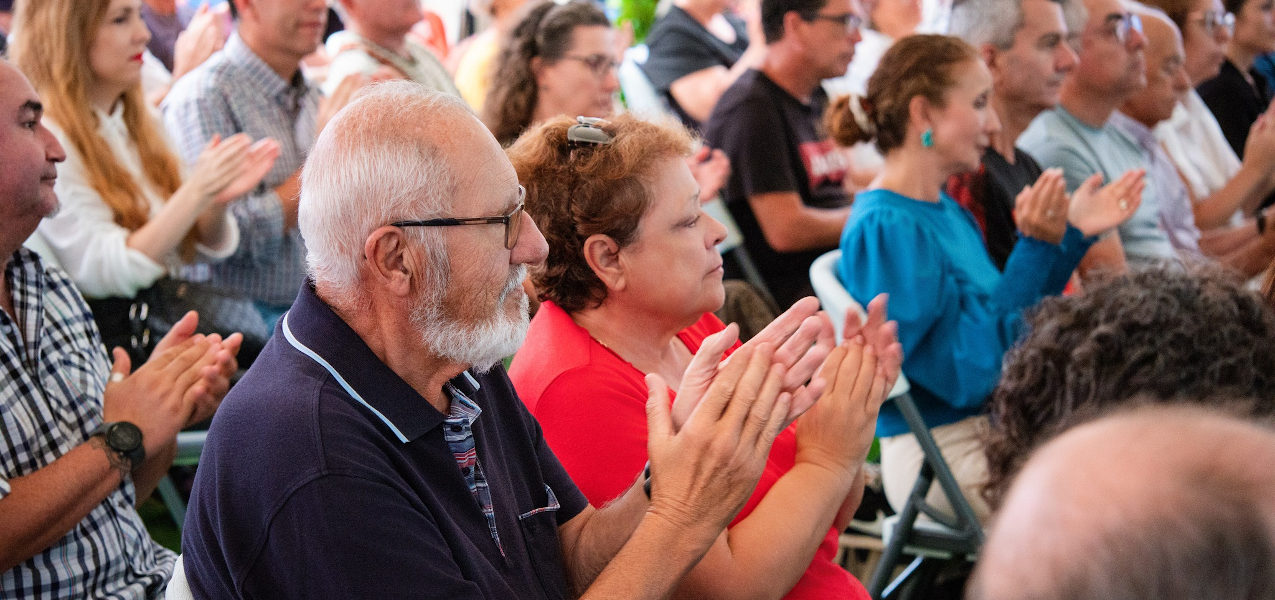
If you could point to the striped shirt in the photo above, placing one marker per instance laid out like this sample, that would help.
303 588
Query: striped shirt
459 432
53 371
234 91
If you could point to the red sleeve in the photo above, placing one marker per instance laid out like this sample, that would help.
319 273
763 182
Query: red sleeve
595 422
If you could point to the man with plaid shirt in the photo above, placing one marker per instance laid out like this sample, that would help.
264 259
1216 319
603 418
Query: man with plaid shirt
81 440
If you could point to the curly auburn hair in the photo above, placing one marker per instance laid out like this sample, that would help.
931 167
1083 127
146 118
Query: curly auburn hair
544 31
1170 335
574 192
917 65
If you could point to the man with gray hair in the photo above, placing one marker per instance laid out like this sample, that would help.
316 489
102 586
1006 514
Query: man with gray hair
1159 502
377 447
1024 43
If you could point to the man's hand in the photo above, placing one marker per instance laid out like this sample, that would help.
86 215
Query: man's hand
703 474
711 169
182 383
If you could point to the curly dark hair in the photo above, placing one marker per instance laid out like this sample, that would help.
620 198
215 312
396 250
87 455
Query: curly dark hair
543 31
1168 334
576 192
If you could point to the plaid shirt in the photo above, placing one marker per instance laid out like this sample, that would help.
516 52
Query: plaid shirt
458 430
234 91
53 371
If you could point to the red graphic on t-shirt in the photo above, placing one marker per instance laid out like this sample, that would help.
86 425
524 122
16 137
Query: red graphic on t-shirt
824 162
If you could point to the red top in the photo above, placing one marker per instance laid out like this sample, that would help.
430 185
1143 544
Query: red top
591 405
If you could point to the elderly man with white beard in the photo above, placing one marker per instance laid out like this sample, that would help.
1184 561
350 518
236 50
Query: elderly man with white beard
377 448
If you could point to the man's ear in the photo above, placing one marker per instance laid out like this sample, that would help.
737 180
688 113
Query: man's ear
602 254
989 53
388 263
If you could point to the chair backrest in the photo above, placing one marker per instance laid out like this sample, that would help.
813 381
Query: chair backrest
640 96
178 587
838 302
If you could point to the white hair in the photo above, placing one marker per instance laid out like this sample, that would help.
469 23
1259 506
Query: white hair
375 163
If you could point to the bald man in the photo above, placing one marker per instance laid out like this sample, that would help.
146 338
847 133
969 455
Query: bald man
1246 247
1158 502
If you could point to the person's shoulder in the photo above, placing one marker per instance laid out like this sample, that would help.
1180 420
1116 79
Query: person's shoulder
887 212
747 98
675 21
209 79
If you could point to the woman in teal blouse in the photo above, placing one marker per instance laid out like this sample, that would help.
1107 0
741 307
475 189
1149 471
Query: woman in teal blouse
927 110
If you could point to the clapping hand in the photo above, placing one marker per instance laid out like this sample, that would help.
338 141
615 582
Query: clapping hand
1096 211
1041 209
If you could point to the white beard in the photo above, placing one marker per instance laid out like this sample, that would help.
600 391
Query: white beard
482 345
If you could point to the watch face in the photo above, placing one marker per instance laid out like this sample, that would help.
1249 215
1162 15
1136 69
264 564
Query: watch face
124 436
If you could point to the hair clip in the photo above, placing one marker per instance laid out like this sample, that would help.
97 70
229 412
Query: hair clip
588 132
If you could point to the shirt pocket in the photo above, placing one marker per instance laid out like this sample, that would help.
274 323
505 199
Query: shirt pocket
540 536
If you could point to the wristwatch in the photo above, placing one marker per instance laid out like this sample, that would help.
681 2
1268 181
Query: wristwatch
124 439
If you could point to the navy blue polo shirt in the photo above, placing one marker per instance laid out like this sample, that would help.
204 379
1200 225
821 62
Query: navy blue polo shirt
326 476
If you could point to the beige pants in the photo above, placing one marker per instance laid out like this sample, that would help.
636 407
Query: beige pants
962 448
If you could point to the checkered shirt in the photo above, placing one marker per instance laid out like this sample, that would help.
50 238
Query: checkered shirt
459 433
234 91
53 371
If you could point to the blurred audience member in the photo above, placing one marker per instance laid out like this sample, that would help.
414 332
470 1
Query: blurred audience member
786 189
376 42
558 60
128 216
1219 184
1079 137
628 287
1239 94
205 35
1165 334
1244 247
162 21
85 440
1024 44
6 22
887 21
698 49
254 86
928 110
473 60
1174 503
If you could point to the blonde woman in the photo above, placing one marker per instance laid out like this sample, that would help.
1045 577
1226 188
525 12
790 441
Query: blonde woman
128 215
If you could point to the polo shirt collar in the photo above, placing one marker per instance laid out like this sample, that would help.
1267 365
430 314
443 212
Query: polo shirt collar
284 92
314 329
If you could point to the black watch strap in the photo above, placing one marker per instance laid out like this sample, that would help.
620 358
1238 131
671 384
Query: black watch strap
125 440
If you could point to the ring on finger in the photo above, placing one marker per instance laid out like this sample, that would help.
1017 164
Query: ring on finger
1124 205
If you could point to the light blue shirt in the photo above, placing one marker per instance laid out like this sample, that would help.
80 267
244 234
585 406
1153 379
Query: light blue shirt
234 91
1058 139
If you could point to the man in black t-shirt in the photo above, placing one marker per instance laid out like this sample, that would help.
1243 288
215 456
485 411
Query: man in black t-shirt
1025 45
786 188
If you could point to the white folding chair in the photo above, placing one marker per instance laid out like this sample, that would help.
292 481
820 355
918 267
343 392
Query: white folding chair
933 542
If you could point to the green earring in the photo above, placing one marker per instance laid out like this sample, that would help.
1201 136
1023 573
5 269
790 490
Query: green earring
927 138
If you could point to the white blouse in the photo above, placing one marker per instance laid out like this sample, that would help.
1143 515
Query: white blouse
84 236
1197 147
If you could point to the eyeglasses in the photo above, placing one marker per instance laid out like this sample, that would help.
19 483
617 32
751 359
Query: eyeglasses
1212 19
849 20
511 221
600 64
1125 24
